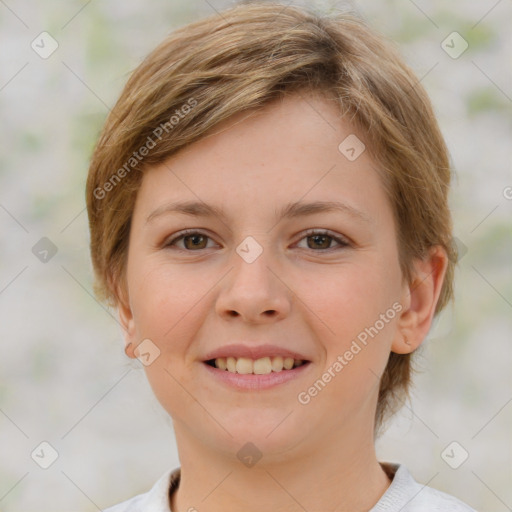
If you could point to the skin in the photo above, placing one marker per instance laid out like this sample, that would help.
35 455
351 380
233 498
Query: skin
308 294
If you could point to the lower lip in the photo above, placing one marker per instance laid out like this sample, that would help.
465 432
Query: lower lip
253 382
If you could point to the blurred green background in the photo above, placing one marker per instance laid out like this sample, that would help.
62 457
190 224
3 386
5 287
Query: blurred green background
64 378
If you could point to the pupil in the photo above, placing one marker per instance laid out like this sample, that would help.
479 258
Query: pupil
320 237
195 243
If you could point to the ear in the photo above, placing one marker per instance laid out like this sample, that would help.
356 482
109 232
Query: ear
126 320
419 299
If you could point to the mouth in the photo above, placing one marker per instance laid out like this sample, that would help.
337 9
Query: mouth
262 366
247 375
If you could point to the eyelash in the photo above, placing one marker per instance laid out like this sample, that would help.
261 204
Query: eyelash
312 232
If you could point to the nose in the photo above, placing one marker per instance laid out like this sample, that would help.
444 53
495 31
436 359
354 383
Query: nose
254 291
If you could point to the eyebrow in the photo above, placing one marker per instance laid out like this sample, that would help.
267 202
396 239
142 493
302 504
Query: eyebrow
291 210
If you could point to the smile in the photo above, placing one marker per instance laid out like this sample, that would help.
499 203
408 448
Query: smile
262 366
272 371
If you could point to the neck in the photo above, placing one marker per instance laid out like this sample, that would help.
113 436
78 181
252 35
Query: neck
336 473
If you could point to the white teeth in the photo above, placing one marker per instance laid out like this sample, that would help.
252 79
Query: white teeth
288 363
221 363
230 364
243 365
262 366
277 364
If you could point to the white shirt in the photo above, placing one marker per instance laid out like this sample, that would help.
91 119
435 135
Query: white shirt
403 495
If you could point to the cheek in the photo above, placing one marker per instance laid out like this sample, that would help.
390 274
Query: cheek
168 310
351 297
355 320
159 284
165 304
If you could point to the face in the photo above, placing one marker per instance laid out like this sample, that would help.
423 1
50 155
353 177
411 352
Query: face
313 283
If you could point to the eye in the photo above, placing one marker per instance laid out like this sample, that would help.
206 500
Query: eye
196 240
323 239
192 240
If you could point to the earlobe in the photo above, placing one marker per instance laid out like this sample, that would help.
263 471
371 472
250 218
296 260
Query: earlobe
129 350
403 345
422 295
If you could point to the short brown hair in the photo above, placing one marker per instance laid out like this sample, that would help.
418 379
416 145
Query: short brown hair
243 59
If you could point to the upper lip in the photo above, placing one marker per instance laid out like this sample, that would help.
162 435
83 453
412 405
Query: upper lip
253 352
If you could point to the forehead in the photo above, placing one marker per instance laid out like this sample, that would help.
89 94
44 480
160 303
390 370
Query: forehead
293 149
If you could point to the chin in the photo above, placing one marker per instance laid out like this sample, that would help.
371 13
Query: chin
269 434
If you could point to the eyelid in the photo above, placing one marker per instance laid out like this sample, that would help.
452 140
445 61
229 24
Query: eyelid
181 234
342 240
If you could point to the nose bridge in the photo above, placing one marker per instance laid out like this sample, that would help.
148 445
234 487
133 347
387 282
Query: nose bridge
252 289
